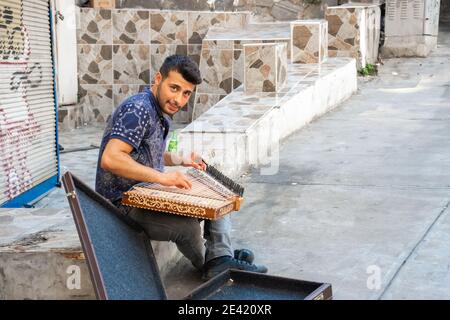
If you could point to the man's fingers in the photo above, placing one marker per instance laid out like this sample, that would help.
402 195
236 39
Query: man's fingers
196 165
197 162
185 185
185 182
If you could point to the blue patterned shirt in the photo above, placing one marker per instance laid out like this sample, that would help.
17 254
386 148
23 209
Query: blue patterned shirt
138 121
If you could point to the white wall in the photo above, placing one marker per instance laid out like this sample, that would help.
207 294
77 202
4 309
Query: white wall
66 52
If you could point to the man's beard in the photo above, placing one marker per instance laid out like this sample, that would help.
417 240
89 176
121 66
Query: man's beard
162 103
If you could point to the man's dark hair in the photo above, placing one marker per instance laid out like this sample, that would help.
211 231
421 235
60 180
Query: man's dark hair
183 65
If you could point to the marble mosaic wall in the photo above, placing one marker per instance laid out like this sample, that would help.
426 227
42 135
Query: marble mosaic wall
217 77
96 25
120 51
354 31
220 75
309 41
265 67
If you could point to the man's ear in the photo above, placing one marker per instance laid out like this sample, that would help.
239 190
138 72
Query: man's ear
158 78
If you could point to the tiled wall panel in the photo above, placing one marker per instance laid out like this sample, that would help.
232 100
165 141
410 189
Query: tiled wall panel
309 41
265 67
121 50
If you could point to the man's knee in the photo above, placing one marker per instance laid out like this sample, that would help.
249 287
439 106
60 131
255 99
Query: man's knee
222 225
189 230
167 227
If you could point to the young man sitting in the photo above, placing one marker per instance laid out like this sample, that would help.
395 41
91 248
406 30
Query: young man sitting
133 150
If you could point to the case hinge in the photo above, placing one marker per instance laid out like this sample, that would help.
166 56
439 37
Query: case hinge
71 194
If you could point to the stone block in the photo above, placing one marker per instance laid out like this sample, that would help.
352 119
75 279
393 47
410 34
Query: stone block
408 46
41 256
309 41
265 67
354 31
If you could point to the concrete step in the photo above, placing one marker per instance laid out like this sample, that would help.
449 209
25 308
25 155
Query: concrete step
41 256
244 130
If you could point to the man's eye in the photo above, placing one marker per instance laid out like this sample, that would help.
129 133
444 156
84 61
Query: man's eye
174 89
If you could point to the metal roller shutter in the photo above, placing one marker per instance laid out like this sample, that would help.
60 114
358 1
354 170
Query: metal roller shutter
29 161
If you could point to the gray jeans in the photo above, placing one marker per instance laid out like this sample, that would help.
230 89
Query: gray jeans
185 232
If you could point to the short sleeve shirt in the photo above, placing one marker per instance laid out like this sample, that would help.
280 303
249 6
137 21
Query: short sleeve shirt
138 121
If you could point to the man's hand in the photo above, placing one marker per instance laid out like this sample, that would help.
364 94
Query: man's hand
194 161
176 179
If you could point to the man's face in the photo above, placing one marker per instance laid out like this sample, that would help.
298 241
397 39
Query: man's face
173 92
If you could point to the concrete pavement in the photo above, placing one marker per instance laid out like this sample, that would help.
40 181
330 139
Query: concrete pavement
361 198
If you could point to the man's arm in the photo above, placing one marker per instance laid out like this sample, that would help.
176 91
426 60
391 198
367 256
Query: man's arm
195 161
116 159
172 159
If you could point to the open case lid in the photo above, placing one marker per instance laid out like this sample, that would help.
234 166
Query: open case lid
119 255
243 285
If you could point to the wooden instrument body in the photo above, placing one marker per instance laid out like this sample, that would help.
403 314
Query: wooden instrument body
206 200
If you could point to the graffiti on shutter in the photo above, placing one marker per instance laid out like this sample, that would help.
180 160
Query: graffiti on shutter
18 126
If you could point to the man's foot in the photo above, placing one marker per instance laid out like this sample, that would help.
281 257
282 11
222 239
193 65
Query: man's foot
220 264
244 255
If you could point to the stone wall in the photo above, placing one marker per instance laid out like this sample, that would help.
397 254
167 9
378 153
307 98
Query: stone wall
354 31
120 51
103 83
264 10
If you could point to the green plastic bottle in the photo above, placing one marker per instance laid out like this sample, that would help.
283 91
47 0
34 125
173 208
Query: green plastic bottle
173 143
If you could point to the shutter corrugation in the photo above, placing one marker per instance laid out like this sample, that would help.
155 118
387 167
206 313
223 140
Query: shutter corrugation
27 136
38 142
28 154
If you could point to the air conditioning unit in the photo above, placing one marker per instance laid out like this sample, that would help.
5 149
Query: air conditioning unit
411 27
